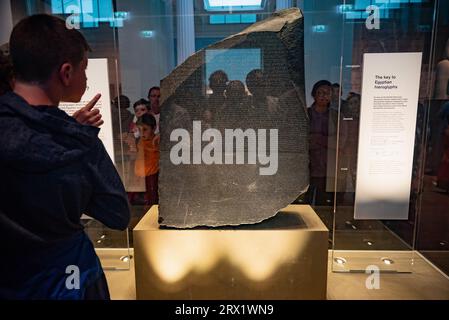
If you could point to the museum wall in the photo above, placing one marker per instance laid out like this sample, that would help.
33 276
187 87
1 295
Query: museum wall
323 50
145 59
5 21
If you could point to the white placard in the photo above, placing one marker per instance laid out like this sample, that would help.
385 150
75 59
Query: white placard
389 108
97 82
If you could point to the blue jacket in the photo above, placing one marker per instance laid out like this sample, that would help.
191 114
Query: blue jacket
52 170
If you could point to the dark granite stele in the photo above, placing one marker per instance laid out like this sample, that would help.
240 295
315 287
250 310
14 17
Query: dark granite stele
202 180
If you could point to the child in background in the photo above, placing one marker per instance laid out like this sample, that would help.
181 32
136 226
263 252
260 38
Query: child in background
140 108
147 162
130 138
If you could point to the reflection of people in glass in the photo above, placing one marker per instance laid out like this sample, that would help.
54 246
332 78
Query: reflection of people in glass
215 101
217 83
442 77
352 107
147 161
154 96
121 123
261 101
322 127
121 117
235 92
336 96
255 82
236 105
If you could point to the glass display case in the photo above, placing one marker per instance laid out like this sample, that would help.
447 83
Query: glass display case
379 178
381 146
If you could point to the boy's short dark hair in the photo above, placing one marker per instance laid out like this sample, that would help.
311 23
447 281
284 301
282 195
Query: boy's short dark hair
147 119
41 44
140 102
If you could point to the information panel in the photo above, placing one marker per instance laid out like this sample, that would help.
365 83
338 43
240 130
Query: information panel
97 82
387 135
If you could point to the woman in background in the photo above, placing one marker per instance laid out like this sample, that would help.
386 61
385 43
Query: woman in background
323 124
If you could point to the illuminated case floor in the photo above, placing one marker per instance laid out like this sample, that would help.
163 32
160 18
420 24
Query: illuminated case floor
424 283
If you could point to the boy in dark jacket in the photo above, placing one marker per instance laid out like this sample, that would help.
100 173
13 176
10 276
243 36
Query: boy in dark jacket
52 170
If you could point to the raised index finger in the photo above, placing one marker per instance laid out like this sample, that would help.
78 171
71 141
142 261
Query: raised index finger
92 102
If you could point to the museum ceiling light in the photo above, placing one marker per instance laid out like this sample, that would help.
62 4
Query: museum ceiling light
344 8
124 15
147 34
233 5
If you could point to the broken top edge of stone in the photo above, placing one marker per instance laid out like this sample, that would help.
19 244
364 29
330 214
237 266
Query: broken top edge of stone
275 22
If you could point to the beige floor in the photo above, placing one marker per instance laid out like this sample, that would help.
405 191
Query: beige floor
121 284
425 282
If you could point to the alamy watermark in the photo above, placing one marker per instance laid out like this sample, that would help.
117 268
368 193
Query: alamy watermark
372 282
72 281
73 21
373 19
228 150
